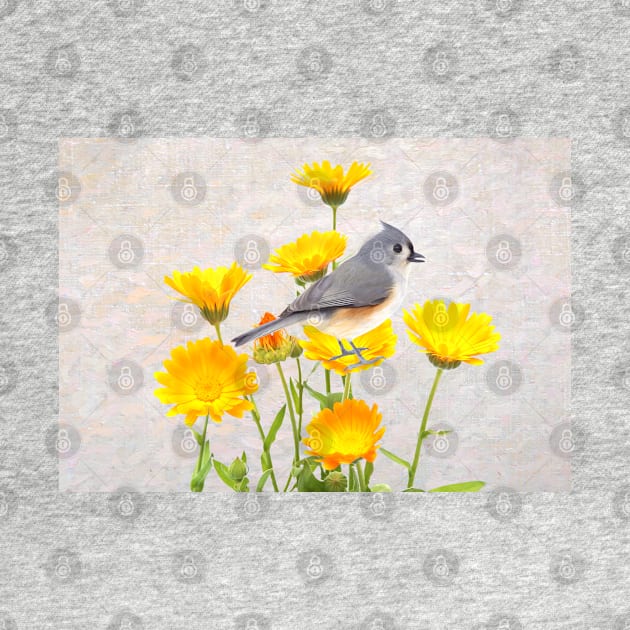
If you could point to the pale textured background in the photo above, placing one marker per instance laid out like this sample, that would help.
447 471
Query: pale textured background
530 560
241 195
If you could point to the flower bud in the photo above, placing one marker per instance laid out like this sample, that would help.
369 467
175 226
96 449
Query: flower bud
336 481
237 469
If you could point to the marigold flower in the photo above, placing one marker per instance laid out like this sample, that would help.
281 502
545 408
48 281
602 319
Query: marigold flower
203 378
348 432
275 346
329 181
378 342
448 336
308 257
211 290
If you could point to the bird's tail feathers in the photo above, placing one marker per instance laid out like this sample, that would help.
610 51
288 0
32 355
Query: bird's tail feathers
267 328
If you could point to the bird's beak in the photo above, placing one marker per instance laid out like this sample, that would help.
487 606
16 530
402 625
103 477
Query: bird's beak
415 257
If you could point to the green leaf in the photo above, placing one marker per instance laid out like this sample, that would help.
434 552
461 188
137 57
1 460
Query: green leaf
199 477
353 485
316 395
395 458
224 475
413 490
265 460
243 486
263 478
432 432
275 426
295 396
369 469
464 486
331 399
307 482
197 437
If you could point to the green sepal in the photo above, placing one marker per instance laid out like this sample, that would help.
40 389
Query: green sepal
224 475
380 487
413 490
369 469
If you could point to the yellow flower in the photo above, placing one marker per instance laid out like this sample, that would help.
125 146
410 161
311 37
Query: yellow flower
205 377
275 346
211 290
308 257
379 342
449 336
344 434
330 182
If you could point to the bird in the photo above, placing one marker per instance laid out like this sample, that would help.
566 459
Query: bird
356 297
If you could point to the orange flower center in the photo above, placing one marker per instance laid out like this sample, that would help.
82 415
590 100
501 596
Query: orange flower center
208 391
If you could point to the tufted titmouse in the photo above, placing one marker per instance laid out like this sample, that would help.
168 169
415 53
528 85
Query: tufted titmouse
356 297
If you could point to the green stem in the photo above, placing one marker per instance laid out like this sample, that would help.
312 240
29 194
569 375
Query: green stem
217 327
327 373
301 395
361 475
334 222
201 451
423 427
287 393
346 387
256 417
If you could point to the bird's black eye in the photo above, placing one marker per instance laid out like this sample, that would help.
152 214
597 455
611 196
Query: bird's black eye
398 248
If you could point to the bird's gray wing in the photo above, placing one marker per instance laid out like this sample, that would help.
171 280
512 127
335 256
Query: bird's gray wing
352 284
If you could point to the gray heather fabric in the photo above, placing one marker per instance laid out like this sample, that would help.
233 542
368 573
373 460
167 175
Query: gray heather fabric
532 561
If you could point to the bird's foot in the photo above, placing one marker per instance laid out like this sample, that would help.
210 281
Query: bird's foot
363 362
344 351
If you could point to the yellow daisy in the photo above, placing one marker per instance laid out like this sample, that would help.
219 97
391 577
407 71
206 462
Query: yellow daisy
378 342
448 336
211 290
329 181
308 257
205 377
275 346
344 434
